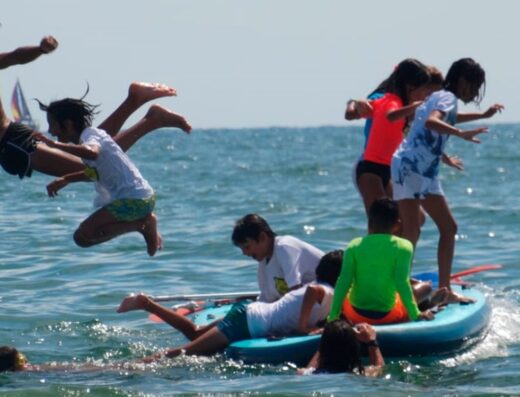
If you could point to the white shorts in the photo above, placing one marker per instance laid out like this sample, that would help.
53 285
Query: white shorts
415 186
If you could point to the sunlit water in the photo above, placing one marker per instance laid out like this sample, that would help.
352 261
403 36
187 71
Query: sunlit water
58 301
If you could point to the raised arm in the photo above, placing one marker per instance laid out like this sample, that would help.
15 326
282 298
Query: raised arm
27 54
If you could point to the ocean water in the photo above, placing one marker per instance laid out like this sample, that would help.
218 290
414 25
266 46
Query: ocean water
58 302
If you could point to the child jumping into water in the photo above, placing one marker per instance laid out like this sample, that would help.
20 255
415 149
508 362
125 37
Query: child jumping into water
125 197
21 153
415 165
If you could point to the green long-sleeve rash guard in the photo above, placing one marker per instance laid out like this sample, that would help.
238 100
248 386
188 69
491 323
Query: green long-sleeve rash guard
374 268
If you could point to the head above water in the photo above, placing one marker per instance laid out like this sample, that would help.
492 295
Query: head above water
11 359
467 80
329 268
383 216
340 350
250 227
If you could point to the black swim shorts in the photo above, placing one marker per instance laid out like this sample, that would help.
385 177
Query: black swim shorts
15 150
369 167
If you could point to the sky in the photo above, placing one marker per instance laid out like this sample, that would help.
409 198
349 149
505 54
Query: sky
254 63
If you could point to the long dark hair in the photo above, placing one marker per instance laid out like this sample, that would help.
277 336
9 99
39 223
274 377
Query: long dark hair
339 350
470 71
410 72
80 112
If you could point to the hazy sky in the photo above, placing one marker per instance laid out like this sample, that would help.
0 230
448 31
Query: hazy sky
240 63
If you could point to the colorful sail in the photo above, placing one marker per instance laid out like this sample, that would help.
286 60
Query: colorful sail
19 109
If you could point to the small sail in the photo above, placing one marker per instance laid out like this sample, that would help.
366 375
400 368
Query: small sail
19 109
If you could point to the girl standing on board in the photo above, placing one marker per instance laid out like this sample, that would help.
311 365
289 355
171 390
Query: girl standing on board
415 165
405 89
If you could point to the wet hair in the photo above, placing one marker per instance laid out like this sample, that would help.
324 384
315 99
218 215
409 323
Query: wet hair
472 72
340 350
383 214
250 227
80 112
8 358
409 72
329 267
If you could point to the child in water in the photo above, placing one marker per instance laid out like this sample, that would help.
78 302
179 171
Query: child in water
125 198
415 165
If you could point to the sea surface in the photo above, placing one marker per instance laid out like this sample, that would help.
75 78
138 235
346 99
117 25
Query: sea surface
58 302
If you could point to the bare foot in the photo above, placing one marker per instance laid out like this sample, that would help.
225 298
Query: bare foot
439 297
141 93
162 117
453 297
151 235
133 302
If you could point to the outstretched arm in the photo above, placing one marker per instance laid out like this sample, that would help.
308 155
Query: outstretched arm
27 54
401 113
490 112
437 124
88 152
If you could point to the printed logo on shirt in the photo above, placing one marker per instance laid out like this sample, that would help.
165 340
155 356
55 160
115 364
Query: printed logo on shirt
281 285
92 173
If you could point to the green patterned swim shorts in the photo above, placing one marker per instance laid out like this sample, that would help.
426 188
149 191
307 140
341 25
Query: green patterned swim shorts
128 210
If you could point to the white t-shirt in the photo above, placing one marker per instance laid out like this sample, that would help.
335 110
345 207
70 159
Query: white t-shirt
282 317
293 263
118 177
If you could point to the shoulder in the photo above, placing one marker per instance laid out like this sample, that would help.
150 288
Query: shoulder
443 98
402 243
355 242
91 133
289 242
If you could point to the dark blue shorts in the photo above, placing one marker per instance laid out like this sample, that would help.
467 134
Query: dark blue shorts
234 324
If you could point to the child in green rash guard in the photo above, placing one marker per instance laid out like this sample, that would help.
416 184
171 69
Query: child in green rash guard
375 274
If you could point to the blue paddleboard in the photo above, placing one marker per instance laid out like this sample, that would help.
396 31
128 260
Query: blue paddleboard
455 327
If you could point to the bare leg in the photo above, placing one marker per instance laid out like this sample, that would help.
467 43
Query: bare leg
102 226
207 344
410 213
138 95
371 188
437 207
156 117
4 120
177 321
421 291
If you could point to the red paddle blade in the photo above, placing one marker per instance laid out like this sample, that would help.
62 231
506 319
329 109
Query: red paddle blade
476 269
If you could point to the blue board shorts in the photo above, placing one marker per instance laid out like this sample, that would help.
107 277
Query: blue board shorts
234 324
128 210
